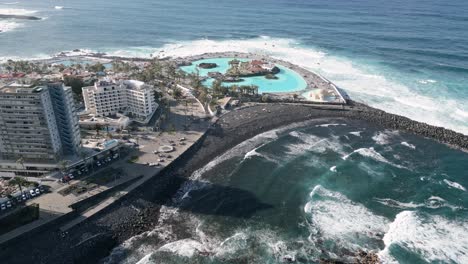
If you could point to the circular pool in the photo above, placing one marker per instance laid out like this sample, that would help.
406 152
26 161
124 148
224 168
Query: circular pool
287 80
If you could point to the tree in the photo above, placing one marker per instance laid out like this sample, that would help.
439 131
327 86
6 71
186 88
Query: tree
98 128
20 160
76 84
20 182
177 92
98 67
63 165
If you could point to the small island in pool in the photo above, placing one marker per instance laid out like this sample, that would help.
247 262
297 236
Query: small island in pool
207 65
251 68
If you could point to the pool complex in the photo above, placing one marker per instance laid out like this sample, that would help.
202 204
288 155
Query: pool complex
288 80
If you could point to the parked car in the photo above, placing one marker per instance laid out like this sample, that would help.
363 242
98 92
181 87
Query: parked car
8 204
65 179
115 156
108 159
32 193
3 206
38 192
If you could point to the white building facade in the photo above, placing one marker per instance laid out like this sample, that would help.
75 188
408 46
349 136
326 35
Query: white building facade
109 97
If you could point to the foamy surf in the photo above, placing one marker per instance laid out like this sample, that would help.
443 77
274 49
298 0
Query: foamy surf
385 137
336 218
434 238
455 185
16 11
406 144
6 26
371 153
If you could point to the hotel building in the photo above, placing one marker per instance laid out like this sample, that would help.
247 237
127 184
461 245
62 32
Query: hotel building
38 125
108 97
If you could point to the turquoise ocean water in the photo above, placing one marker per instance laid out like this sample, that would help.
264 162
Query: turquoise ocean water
314 191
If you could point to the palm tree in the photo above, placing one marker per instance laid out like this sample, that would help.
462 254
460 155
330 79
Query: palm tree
20 160
20 182
64 165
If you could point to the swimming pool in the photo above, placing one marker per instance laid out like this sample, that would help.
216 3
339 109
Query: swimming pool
288 80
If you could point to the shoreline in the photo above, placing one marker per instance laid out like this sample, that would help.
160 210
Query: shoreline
96 237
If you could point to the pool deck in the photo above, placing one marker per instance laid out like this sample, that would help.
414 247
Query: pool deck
314 81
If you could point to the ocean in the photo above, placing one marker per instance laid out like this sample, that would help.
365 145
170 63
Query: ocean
405 57
325 189
314 191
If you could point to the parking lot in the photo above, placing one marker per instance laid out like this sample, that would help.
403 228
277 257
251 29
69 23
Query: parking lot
20 198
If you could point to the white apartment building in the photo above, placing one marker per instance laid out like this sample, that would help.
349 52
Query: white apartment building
108 97
38 125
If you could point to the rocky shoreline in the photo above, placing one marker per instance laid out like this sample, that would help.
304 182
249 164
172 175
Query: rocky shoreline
93 240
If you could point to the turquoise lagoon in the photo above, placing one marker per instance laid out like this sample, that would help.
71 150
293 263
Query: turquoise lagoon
288 80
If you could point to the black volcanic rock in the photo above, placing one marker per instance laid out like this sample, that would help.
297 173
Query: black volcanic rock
3 16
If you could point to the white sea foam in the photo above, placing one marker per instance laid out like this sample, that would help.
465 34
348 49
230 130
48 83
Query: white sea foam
314 144
185 247
333 169
427 81
16 11
58 7
6 25
434 238
406 144
371 153
455 185
356 133
333 216
395 203
385 137
329 125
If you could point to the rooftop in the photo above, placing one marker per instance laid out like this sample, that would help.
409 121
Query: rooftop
21 89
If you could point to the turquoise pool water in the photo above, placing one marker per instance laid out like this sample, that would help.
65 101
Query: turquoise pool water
288 80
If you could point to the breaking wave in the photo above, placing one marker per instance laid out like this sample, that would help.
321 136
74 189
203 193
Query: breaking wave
432 237
371 153
336 218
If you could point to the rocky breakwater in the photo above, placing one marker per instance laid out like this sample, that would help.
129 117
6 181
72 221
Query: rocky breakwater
391 121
